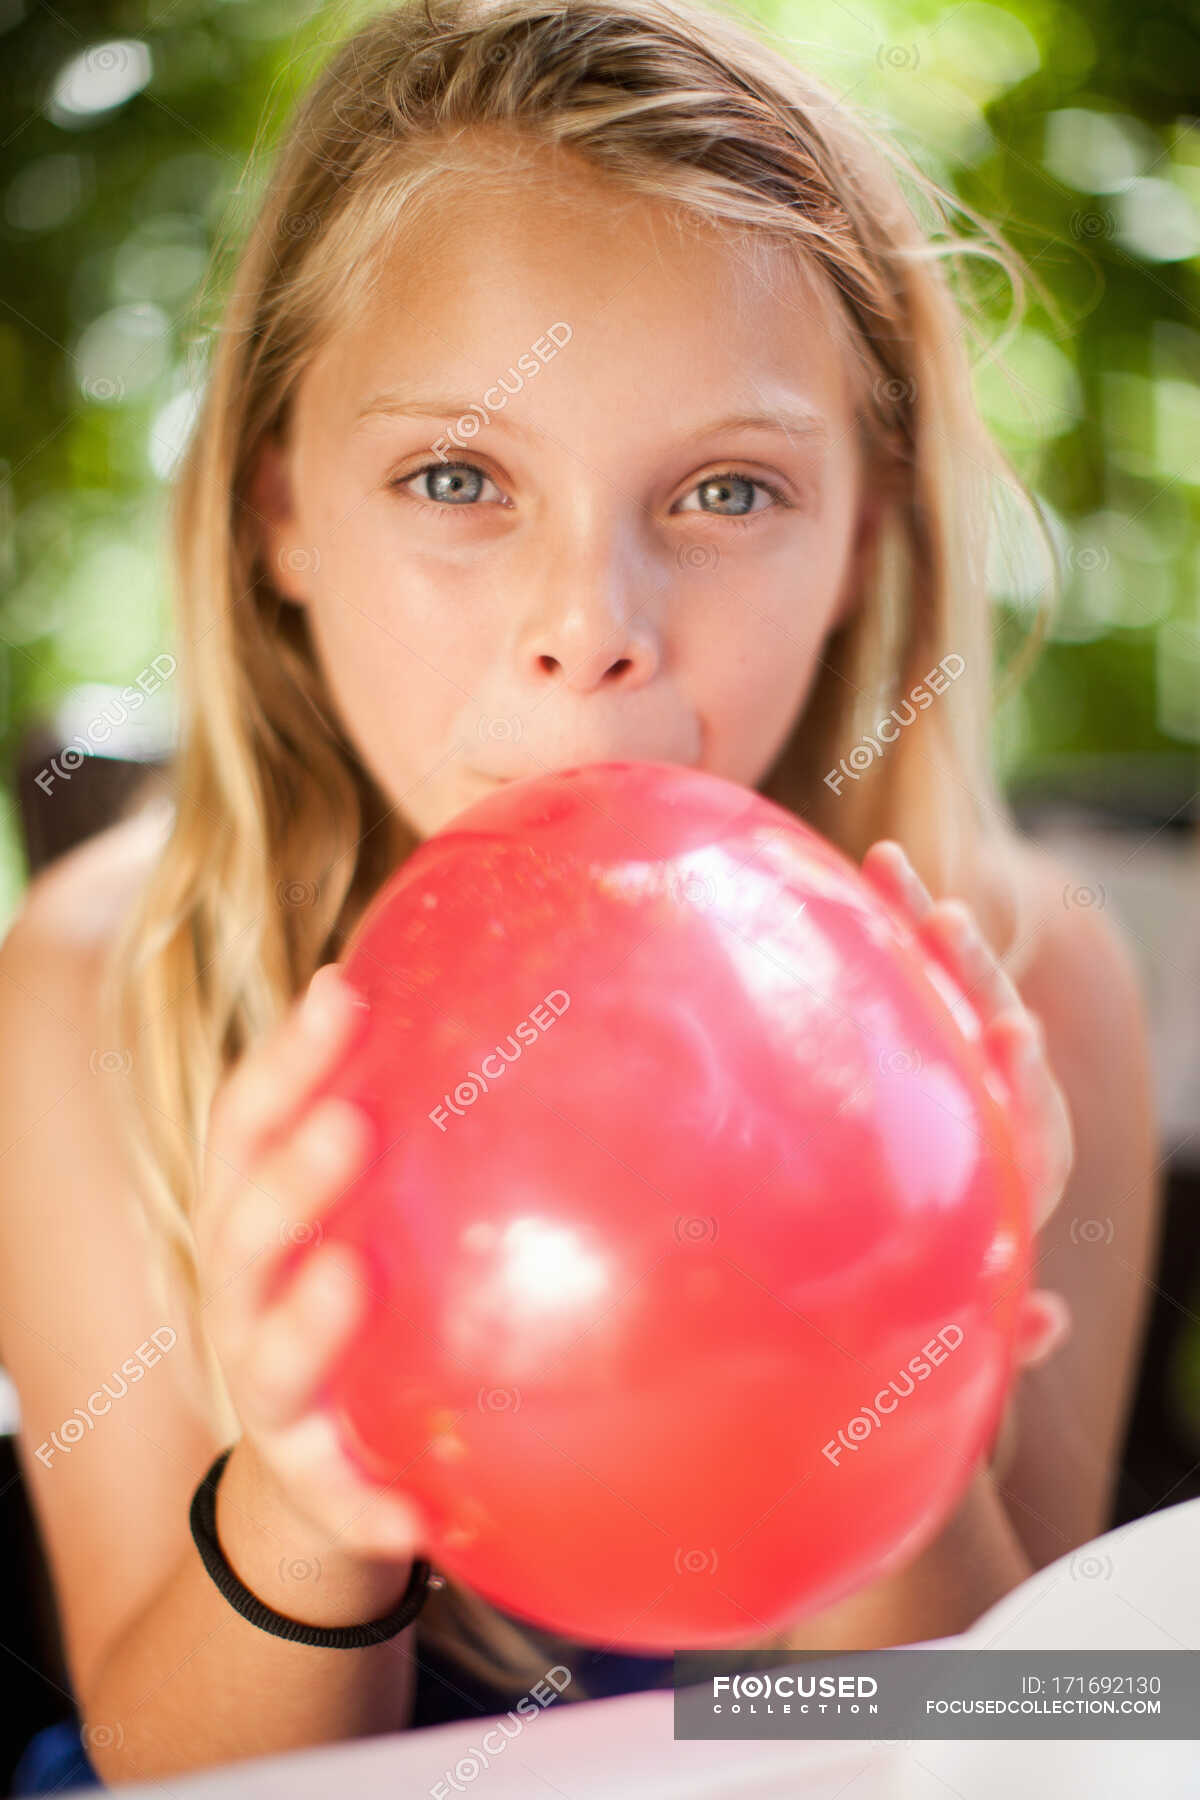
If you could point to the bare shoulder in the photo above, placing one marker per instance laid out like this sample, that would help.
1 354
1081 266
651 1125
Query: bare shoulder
112 1433
76 904
1073 964
57 948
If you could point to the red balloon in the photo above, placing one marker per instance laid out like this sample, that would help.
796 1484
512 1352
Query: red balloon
697 1237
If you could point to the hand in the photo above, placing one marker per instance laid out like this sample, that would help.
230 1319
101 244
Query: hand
274 1161
1014 1037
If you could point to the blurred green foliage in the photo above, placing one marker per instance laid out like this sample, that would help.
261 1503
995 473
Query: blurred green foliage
126 128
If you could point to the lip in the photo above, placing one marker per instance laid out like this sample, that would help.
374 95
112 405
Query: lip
503 780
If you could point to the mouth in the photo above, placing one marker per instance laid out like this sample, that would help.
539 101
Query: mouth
503 780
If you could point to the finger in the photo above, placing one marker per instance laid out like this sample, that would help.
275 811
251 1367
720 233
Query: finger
296 1340
890 872
303 1177
1044 1326
379 1521
950 929
363 1517
306 1173
1046 1138
274 1082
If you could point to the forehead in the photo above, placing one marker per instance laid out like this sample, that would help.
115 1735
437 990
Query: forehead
660 308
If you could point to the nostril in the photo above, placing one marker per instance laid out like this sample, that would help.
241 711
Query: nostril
550 665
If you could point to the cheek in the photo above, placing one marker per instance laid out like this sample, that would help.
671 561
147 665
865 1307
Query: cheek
398 585
400 643
754 650
754 691
760 631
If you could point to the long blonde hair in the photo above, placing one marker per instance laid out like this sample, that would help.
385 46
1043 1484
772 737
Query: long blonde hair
278 835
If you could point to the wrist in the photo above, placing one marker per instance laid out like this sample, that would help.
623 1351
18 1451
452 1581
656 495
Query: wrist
288 1561
975 1559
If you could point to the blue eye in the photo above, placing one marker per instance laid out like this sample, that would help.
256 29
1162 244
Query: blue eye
730 484
451 484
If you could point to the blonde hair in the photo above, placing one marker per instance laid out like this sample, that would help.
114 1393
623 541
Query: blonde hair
678 103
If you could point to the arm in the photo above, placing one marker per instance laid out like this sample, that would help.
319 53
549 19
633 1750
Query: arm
187 1682
1090 1145
975 1559
1098 1247
167 1675
977 1556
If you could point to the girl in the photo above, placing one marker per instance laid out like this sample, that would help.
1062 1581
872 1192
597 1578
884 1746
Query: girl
587 389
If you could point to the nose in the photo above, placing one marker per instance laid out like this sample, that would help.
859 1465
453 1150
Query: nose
598 668
590 633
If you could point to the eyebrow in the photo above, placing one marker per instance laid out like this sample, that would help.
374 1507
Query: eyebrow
789 419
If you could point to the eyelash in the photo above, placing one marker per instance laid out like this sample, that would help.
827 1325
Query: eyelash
400 485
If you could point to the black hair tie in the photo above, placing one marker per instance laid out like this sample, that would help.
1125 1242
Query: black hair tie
203 1520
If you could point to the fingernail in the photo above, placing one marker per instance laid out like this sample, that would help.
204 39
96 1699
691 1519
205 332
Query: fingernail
325 1002
396 1528
314 994
962 925
346 988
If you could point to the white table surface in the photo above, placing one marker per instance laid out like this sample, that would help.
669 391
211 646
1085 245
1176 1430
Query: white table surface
1137 1588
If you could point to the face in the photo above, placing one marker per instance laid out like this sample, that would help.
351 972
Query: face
575 486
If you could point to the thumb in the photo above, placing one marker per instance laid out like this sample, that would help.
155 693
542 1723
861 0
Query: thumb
370 1518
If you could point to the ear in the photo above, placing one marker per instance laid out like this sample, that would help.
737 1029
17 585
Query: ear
288 562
